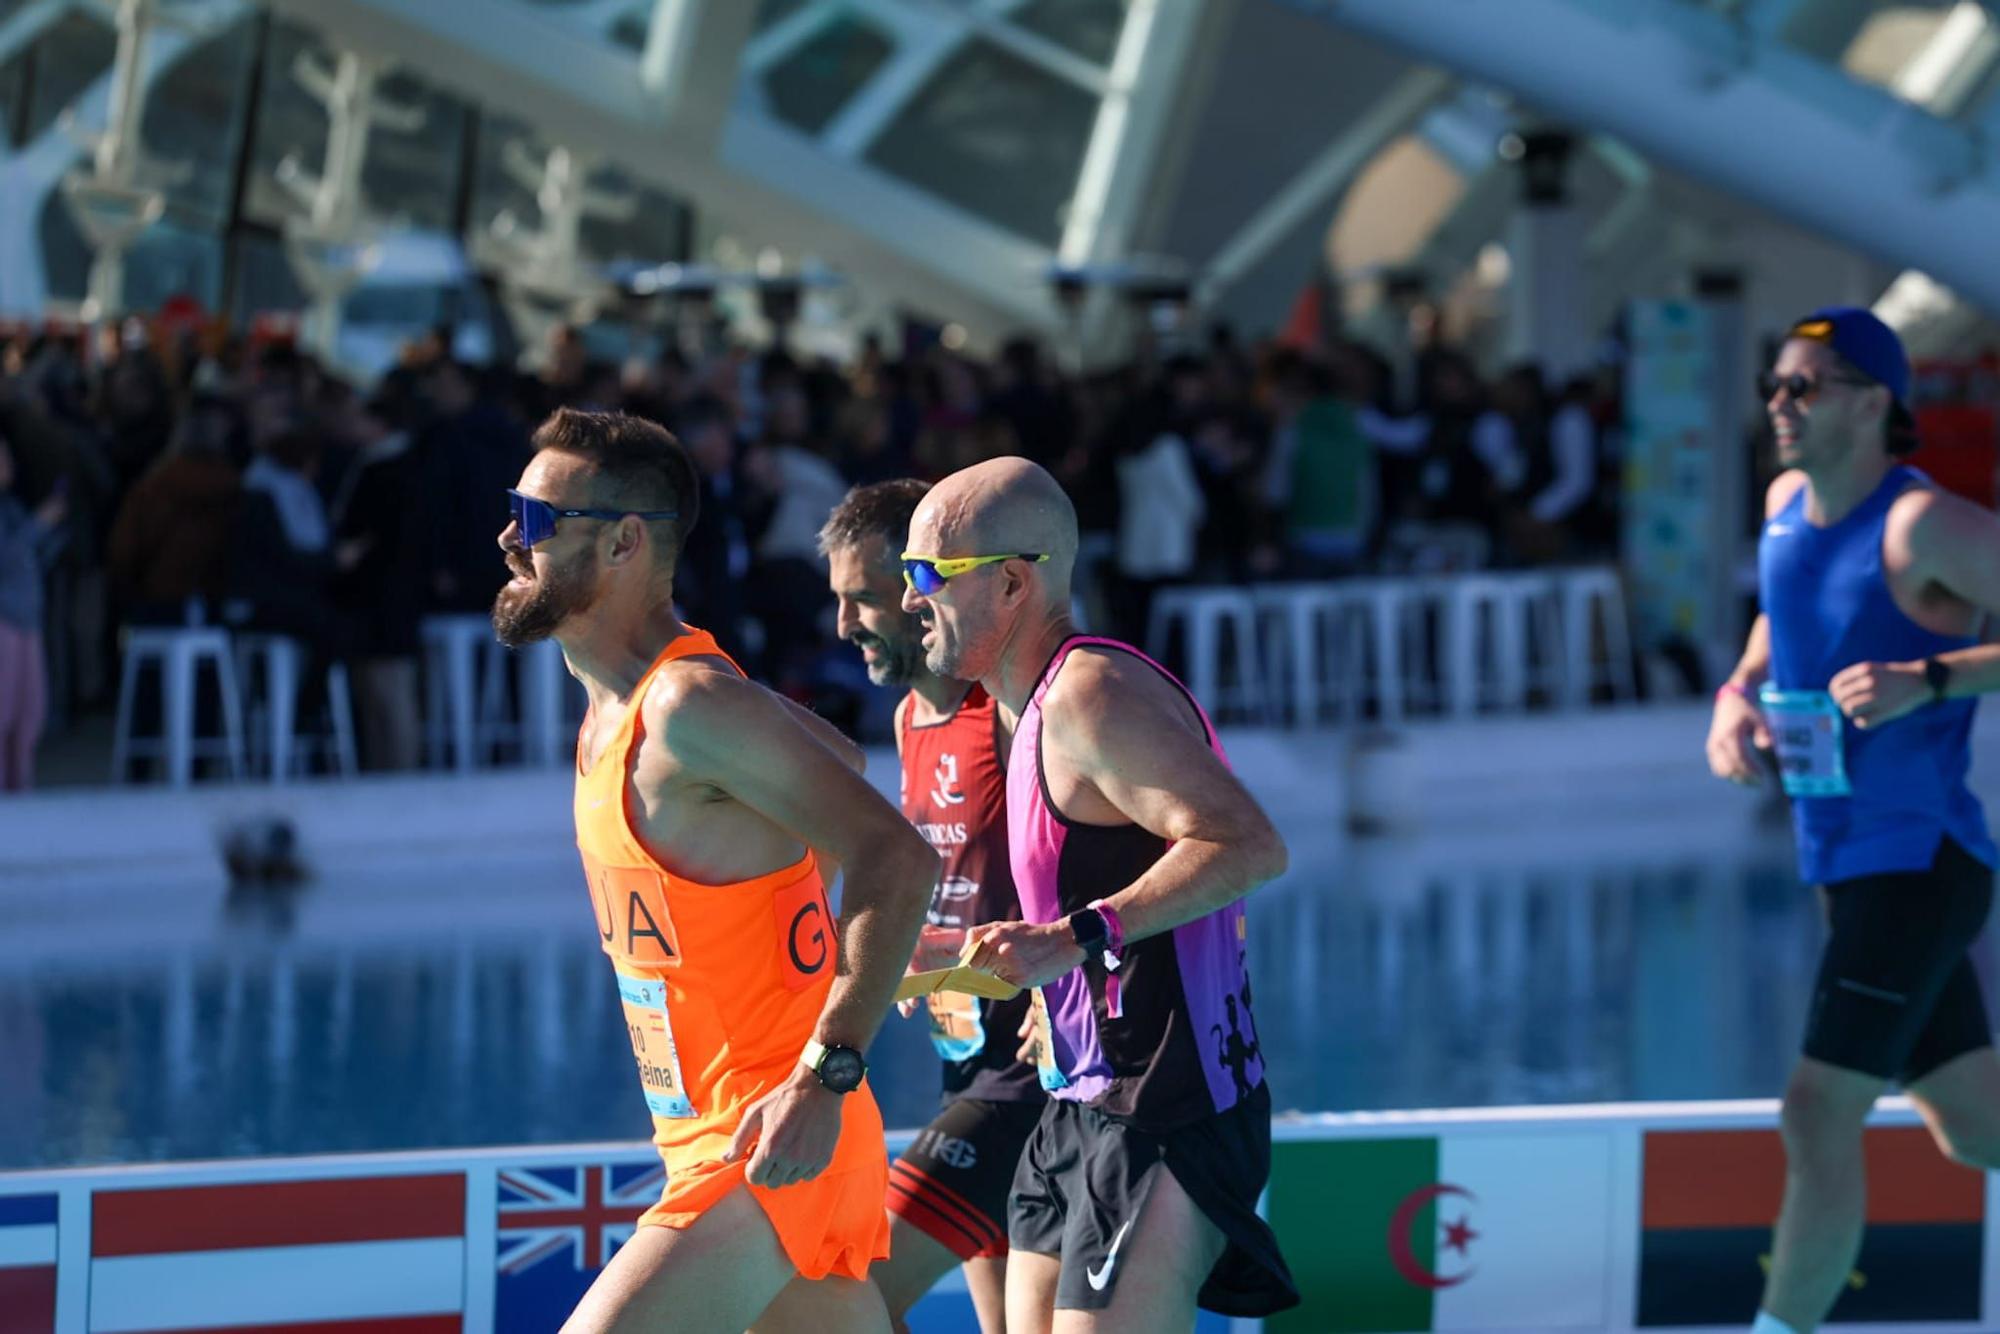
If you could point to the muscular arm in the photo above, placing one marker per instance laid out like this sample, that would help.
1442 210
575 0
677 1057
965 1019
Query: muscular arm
733 734
1956 546
829 736
1119 740
1125 734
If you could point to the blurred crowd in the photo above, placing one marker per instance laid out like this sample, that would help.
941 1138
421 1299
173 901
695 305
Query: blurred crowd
156 475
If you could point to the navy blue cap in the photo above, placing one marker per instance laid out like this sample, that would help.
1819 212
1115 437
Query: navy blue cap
1871 347
1864 342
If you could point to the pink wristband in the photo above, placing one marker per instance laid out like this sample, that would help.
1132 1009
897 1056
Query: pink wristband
1741 692
1114 944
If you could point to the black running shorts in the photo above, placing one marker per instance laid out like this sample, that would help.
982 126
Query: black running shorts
1897 996
1085 1177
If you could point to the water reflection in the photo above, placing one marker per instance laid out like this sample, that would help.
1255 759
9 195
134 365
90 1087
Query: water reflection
1389 973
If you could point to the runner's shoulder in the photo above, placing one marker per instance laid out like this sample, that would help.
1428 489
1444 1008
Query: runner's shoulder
1779 493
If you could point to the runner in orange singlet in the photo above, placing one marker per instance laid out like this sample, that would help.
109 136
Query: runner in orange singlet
707 810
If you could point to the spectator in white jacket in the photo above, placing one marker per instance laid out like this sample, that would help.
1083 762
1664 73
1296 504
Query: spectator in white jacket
1160 512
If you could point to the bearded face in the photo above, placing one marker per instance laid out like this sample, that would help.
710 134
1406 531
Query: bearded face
543 594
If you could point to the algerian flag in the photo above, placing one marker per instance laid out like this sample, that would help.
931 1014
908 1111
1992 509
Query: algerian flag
1466 1231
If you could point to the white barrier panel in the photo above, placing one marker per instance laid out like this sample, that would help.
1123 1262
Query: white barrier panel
1620 1217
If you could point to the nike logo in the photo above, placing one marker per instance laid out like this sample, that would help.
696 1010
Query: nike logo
1777 529
1100 1279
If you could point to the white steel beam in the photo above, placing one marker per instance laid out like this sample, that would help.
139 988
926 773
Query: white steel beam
1790 133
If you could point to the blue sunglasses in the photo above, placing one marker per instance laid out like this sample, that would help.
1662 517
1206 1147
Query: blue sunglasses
536 519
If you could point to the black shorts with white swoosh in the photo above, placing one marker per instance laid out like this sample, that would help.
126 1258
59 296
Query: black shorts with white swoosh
1084 1179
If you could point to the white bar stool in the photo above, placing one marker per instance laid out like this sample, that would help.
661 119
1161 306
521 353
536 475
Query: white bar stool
179 653
1202 614
270 667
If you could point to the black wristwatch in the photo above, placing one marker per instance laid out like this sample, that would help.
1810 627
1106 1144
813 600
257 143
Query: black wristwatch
1937 675
840 1069
1091 931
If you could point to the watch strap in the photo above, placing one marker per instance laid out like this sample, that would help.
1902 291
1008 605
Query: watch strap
1937 675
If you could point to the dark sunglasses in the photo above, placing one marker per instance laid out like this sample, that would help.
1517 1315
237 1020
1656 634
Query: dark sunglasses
536 519
1799 386
927 574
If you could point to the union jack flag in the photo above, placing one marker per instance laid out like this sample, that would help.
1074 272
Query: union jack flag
557 1227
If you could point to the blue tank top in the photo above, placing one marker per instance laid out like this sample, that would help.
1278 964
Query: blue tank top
1830 607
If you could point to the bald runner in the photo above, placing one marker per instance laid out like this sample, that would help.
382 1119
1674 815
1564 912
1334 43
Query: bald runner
1132 846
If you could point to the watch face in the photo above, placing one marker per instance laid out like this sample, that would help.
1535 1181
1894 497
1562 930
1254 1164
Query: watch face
842 1069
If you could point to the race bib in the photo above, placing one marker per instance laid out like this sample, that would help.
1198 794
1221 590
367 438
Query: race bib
652 1036
958 1029
1807 730
1045 1048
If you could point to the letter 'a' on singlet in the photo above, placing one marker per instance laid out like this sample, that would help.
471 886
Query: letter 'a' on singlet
954 791
1865 801
722 985
1182 1043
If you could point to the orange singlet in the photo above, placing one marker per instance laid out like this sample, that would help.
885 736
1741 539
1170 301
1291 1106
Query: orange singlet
722 986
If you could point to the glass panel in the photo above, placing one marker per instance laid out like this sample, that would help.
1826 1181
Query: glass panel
288 123
413 178
193 118
265 281
629 30
996 136
65 254
72 54
1087 27
773 12
171 259
494 189
808 87
652 234
12 85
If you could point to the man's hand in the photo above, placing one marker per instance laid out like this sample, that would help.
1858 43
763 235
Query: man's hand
1874 693
937 947
1024 954
794 1127
1735 734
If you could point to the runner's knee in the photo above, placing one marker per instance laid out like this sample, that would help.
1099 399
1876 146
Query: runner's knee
1821 1131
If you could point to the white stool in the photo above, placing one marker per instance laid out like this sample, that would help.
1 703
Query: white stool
1303 615
179 653
1492 623
1597 590
1202 613
271 665
464 678
1380 615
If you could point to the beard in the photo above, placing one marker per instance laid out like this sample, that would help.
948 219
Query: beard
531 614
896 660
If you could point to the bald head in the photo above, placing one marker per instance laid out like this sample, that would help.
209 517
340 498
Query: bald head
1005 504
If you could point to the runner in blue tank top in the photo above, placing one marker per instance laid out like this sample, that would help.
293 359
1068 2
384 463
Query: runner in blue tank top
1132 846
1861 674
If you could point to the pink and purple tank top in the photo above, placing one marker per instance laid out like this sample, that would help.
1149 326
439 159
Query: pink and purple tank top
1176 1040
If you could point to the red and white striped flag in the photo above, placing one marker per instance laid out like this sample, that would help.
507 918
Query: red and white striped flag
357 1255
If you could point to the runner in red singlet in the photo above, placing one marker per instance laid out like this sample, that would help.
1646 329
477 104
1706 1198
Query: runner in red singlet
948 1192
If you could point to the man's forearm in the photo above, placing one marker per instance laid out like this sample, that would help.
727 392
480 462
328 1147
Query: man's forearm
883 903
1974 671
1755 664
1192 880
